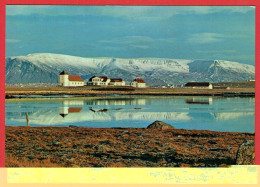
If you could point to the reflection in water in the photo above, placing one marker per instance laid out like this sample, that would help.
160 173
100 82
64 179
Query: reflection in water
229 115
64 111
199 100
51 118
222 114
118 101
67 102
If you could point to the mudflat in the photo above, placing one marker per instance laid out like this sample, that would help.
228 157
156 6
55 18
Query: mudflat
120 147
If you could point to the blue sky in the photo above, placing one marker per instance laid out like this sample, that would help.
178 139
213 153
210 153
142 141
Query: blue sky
181 32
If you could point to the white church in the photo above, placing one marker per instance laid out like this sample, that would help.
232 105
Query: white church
70 80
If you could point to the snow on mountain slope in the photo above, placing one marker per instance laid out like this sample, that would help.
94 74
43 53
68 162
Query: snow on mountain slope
45 67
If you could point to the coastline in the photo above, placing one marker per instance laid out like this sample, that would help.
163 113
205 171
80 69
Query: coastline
120 147
11 92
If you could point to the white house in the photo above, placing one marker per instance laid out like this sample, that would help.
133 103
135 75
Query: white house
139 83
117 82
70 80
199 85
99 80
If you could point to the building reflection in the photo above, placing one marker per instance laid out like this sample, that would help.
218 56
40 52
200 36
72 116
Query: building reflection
116 102
73 102
199 100
64 111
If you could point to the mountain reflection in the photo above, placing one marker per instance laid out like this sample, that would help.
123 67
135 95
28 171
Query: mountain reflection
213 113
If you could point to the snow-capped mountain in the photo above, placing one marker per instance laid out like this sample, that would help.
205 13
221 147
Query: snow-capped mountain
45 68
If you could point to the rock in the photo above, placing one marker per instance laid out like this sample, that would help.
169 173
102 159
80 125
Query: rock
107 142
56 143
218 149
246 153
87 146
41 158
212 142
160 125
72 126
104 148
30 157
81 151
103 110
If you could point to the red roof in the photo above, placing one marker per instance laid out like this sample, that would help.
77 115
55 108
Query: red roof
139 80
75 78
74 109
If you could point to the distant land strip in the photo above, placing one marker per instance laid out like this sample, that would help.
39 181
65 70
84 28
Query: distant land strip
13 92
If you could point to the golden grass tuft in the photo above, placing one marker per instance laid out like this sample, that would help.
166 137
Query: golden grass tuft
13 161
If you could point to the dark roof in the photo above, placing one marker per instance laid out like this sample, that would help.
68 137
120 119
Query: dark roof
197 84
139 80
117 80
64 73
92 78
103 77
75 78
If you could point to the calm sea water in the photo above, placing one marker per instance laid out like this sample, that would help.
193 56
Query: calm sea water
207 113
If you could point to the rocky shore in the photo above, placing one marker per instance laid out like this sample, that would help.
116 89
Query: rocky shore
133 147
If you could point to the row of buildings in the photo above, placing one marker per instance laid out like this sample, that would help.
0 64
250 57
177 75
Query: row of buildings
75 80
67 80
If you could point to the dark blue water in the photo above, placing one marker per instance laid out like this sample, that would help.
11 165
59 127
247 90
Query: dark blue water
208 113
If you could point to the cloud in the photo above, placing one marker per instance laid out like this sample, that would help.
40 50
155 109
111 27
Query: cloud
140 46
128 40
136 40
12 41
217 51
129 12
204 38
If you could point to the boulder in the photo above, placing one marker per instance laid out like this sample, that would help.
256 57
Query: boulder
246 153
104 148
160 125
72 126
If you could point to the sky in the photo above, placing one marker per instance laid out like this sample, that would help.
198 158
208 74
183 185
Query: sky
178 32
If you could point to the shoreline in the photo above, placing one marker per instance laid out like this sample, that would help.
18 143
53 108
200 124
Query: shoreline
16 92
120 147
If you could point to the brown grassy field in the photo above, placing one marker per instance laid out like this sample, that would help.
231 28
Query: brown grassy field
107 147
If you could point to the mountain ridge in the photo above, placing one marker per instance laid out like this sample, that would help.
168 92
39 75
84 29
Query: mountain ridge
45 67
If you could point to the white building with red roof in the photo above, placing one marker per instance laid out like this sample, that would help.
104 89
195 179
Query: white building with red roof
70 80
139 83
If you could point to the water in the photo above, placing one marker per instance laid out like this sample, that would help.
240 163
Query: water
207 113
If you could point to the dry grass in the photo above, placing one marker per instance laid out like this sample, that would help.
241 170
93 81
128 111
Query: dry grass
13 161
104 147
